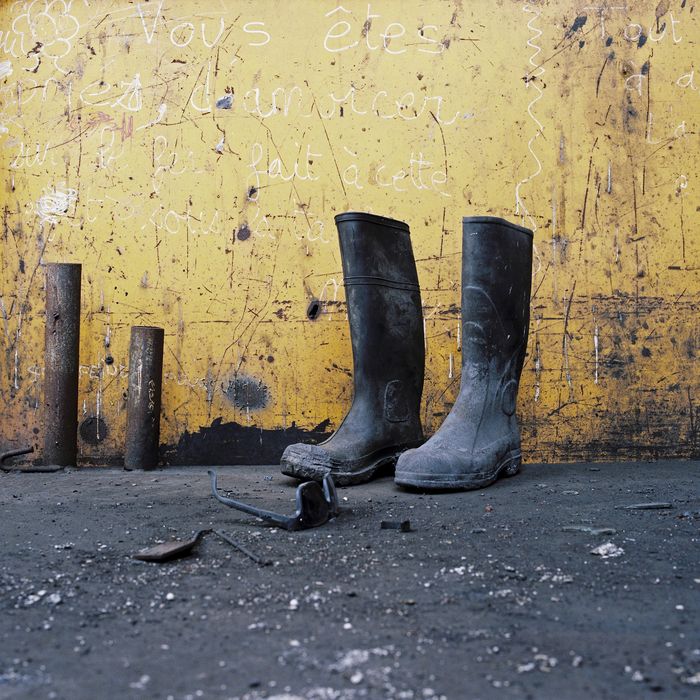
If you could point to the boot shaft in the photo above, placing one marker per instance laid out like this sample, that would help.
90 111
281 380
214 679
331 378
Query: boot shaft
384 311
376 250
496 277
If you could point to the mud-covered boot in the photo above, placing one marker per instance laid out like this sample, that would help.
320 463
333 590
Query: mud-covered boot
388 352
480 438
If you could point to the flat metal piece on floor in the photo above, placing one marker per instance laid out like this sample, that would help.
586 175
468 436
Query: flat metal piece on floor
648 506
401 525
589 530
170 550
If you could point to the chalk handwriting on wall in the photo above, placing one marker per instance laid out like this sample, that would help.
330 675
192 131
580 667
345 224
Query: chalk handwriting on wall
636 33
93 371
185 32
190 222
301 168
417 173
100 93
687 80
299 101
633 31
45 28
169 162
391 37
29 156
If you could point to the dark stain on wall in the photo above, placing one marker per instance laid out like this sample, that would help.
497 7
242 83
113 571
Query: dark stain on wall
247 393
578 24
232 443
93 430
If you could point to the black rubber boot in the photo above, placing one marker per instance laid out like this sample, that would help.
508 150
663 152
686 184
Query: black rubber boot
388 352
480 439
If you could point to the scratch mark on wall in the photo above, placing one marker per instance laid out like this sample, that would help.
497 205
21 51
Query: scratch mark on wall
330 145
595 350
565 345
600 75
538 361
162 111
16 353
588 184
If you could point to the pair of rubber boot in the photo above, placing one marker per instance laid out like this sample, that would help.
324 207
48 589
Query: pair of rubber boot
480 439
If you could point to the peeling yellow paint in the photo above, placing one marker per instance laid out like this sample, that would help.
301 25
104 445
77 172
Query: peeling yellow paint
192 157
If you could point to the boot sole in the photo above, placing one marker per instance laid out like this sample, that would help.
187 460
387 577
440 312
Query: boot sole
508 466
307 464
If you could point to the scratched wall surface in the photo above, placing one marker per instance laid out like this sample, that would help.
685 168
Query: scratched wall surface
192 156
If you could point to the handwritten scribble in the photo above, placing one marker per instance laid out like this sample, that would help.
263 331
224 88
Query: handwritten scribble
47 28
55 203
531 82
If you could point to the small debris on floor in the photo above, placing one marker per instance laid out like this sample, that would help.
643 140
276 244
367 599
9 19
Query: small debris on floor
170 550
242 549
608 551
589 530
401 525
648 506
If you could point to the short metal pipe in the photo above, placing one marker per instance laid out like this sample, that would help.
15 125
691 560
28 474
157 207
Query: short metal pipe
144 397
62 342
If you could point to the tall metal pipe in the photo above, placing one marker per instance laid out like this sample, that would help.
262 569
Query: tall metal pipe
62 343
144 396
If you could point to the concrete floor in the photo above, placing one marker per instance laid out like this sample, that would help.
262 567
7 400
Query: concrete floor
494 594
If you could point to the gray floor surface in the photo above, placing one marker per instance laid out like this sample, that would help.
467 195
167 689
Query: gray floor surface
494 594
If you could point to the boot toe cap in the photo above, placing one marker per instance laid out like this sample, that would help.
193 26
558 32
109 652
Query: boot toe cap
436 467
429 467
306 462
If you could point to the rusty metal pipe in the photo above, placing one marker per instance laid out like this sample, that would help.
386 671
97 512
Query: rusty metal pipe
61 363
144 395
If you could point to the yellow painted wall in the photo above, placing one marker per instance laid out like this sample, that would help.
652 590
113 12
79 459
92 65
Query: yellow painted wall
117 150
